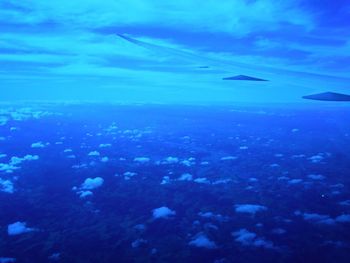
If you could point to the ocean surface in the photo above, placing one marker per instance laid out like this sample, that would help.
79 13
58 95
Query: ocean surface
88 183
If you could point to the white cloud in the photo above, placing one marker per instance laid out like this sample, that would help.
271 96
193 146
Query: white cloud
249 208
138 242
211 215
105 145
15 161
142 159
317 218
39 145
247 238
235 16
94 153
316 176
165 180
84 194
170 160
201 180
128 175
92 183
163 212
18 228
343 218
6 186
104 159
202 241
185 177
7 260
228 158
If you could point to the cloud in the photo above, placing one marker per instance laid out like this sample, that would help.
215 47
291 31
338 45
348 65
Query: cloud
94 153
18 228
202 241
105 145
92 183
201 180
16 161
317 218
39 145
247 238
104 159
343 218
233 16
228 158
250 208
316 176
7 260
185 177
142 160
6 186
163 212
128 175
211 215
84 194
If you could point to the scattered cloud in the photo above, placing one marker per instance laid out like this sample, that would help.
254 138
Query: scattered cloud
92 183
6 186
247 238
163 212
250 208
202 241
18 228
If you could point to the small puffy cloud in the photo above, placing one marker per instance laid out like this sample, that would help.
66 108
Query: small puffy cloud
211 215
39 145
7 260
105 145
249 208
2 155
185 177
128 175
316 176
201 180
30 157
68 151
6 186
318 157
278 231
18 228
92 183
84 194
247 238
345 203
189 162
165 180
202 241
163 212
55 256
170 160
104 159
228 158
317 218
295 181
94 153
243 147
138 242
142 159
343 218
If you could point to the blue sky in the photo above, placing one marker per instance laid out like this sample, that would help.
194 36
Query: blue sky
68 50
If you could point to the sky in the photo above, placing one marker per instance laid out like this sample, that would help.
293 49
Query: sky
70 50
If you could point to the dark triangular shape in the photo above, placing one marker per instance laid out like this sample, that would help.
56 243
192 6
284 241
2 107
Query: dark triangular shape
328 96
243 77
